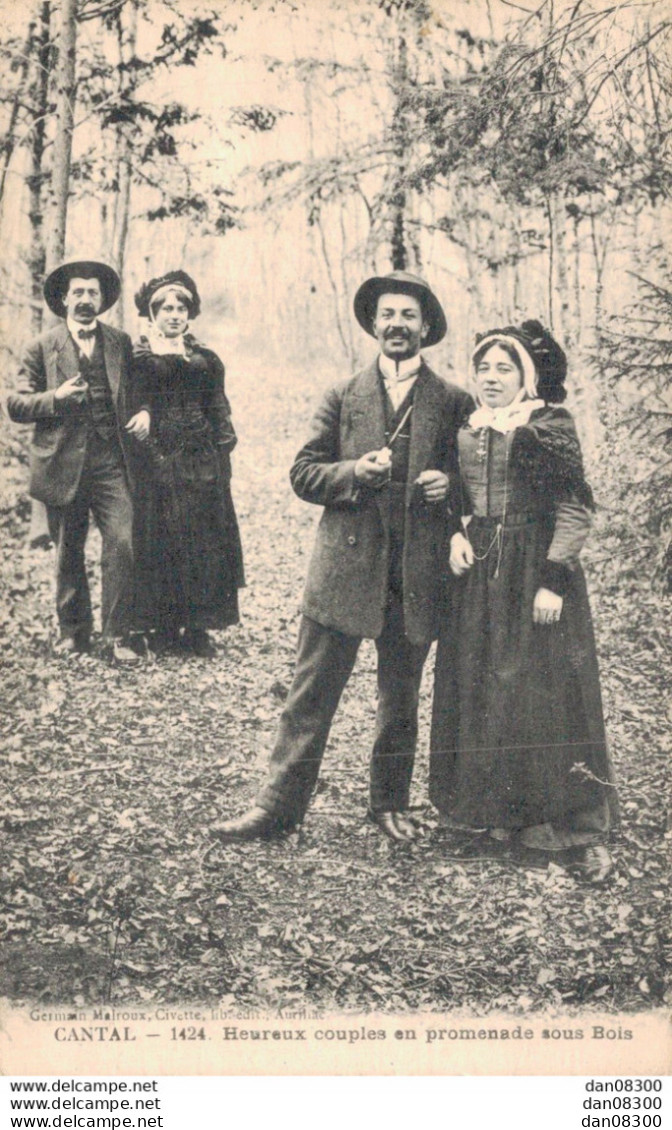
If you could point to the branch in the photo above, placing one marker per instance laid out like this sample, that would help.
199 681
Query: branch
103 10
637 47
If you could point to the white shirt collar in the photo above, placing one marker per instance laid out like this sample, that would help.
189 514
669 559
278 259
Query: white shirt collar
394 371
74 327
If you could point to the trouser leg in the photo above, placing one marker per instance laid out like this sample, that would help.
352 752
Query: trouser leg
73 600
111 505
324 662
42 531
400 666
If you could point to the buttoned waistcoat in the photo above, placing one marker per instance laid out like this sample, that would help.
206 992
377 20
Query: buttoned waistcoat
346 587
58 447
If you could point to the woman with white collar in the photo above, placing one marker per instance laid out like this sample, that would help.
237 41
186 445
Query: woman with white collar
186 541
518 741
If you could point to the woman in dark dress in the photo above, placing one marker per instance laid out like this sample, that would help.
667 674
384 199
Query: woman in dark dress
518 741
187 546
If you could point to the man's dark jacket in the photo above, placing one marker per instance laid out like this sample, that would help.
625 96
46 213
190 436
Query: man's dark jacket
347 582
59 441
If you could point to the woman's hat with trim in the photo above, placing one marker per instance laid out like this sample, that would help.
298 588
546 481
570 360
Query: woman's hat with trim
56 283
179 281
549 358
400 282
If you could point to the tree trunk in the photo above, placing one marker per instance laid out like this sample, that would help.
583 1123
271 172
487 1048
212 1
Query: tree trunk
127 39
60 174
65 106
577 314
39 100
19 98
39 535
600 247
558 279
400 139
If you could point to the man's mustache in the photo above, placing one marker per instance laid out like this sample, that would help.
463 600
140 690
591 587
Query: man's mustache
397 333
85 308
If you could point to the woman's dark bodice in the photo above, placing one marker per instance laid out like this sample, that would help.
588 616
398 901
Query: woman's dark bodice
493 483
185 397
181 390
499 475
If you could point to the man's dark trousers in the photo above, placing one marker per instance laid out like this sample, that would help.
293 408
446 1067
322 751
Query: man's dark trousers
103 491
325 660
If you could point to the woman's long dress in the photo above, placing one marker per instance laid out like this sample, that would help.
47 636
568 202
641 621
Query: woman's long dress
518 739
187 546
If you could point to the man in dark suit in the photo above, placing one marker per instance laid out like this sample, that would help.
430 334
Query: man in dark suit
71 387
379 460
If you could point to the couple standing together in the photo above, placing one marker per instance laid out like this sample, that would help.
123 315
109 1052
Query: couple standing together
139 436
464 521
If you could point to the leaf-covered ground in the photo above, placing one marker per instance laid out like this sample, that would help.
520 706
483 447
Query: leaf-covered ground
113 889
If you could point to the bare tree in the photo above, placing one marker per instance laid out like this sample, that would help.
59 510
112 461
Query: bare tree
126 20
40 52
65 113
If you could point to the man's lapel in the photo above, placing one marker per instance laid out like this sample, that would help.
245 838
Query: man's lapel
425 423
112 354
368 416
65 355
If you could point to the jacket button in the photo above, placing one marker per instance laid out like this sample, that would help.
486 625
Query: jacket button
352 540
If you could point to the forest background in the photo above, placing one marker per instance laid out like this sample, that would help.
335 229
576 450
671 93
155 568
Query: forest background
517 156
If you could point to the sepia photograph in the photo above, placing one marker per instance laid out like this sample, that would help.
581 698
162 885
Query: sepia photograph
336 514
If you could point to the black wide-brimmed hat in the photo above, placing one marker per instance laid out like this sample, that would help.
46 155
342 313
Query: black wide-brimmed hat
400 282
174 280
56 284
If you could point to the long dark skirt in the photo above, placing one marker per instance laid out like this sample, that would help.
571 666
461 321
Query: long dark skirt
188 556
518 736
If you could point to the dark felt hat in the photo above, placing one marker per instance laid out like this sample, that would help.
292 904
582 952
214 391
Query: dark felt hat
400 282
178 279
56 284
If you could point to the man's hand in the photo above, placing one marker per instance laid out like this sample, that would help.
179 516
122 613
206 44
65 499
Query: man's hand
461 554
371 472
73 389
434 485
139 425
547 607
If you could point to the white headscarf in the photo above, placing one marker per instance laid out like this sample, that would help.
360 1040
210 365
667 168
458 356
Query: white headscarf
524 403
162 345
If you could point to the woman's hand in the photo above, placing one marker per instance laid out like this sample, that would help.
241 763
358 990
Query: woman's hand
434 486
139 425
461 554
547 607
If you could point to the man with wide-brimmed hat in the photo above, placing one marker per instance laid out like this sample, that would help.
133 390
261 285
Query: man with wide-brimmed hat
379 460
72 388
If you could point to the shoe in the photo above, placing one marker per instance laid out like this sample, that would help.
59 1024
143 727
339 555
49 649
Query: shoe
529 859
257 824
387 823
77 644
122 653
164 640
198 641
596 866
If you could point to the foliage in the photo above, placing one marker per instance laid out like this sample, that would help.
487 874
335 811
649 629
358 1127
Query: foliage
577 104
636 354
117 98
